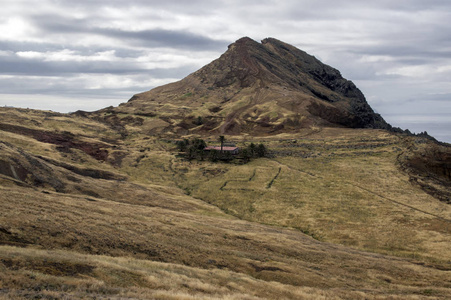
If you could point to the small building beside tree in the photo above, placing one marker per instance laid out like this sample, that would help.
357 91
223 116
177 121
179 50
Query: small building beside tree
225 149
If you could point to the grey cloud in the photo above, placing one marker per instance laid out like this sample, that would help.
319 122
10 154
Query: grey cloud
12 64
193 7
154 38
444 97
65 91
14 46
41 68
416 5
358 5
402 52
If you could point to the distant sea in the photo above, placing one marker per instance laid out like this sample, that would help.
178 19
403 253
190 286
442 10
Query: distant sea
436 125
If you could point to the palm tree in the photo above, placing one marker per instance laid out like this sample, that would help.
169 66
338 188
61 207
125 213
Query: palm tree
222 139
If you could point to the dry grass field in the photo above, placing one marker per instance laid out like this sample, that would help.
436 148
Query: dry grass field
102 210
344 189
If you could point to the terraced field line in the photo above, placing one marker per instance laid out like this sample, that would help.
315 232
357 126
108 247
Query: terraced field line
223 186
374 193
275 177
239 180
253 175
400 203
296 169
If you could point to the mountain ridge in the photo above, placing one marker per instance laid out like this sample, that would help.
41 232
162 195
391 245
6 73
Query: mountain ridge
261 87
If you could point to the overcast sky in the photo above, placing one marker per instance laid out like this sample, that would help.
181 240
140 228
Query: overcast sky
68 55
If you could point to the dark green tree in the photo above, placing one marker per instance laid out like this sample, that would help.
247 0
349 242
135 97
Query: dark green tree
199 144
261 150
214 156
201 154
226 156
198 121
252 149
245 153
182 145
191 153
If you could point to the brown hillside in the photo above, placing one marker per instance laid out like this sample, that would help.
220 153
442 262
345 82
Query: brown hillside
257 88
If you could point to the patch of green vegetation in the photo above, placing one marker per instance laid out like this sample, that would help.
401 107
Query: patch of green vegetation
196 150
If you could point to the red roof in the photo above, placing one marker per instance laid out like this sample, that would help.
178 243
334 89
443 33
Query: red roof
218 148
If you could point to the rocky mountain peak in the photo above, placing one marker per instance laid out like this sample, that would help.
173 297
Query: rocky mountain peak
244 40
270 86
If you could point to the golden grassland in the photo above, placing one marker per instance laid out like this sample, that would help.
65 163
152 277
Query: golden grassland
267 262
58 274
346 190
329 214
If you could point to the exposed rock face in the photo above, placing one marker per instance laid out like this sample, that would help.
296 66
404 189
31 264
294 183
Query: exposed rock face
27 169
34 170
259 87
429 166
65 141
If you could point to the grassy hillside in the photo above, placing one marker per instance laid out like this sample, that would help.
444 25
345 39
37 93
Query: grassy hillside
346 188
107 210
